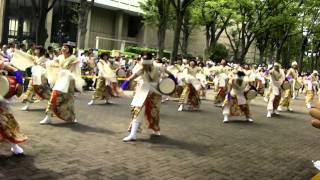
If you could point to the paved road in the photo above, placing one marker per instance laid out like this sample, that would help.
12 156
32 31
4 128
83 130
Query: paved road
194 145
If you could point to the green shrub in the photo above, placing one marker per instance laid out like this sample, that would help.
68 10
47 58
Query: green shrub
219 52
104 51
139 50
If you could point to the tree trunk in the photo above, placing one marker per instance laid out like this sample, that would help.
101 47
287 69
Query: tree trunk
41 31
236 55
83 14
317 55
312 61
161 40
261 55
278 54
212 39
301 53
242 57
285 57
185 43
208 37
177 32
262 44
317 60
163 8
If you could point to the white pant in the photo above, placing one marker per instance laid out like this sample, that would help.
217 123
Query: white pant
270 103
140 117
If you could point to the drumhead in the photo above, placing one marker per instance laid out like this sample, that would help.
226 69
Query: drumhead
4 86
121 73
251 94
167 86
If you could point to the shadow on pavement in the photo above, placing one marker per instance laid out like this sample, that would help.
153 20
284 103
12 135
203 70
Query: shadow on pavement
23 167
244 122
167 142
37 110
83 128
106 104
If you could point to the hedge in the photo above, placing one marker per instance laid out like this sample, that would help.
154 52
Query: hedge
129 54
139 50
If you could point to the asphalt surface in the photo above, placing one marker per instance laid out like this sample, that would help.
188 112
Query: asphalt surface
193 145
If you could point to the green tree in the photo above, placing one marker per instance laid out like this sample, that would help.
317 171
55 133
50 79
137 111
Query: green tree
214 15
241 32
309 32
41 9
158 13
187 27
219 52
282 24
180 7
83 12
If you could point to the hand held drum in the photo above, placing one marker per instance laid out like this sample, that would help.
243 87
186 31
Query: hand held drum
285 85
8 86
251 93
121 73
167 86
297 85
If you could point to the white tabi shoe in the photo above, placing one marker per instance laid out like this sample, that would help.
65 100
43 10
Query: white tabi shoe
265 99
26 107
46 120
250 120
290 109
107 101
309 106
225 119
280 108
133 133
180 108
15 149
276 112
157 133
269 114
75 121
91 102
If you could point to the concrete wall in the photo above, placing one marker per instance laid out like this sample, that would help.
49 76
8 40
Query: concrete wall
105 23
196 42
102 24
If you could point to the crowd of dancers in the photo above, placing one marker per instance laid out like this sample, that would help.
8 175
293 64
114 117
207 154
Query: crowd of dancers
57 75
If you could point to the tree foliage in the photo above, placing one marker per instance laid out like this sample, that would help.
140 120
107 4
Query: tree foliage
158 13
280 30
214 15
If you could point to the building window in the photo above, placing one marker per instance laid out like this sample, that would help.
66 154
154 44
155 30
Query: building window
13 27
26 27
134 26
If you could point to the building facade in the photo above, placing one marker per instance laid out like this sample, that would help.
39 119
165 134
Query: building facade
112 24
